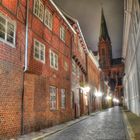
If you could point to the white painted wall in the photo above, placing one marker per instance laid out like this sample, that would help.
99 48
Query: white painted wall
131 53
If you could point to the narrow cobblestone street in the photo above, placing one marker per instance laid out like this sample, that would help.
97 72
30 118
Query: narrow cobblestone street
105 125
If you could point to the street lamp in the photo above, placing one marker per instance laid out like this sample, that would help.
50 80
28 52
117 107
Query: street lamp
98 94
86 89
108 97
115 100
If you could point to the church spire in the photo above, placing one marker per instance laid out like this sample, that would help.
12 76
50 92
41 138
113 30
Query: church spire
103 29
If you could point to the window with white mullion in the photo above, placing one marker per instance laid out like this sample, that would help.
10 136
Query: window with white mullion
48 18
39 51
7 30
2 31
73 67
2 27
62 33
10 32
53 60
42 53
63 98
56 61
53 98
39 9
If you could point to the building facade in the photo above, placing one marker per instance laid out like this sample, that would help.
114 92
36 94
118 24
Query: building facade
35 66
48 75
79 71
93 78
131 54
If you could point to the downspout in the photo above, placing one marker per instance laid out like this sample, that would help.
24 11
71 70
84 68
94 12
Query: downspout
26 39
25 66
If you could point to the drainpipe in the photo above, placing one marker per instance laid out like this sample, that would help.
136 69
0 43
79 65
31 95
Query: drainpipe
26 37
25 66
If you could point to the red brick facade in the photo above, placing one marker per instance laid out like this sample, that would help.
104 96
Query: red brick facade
25 98
38 78
11 73
93 76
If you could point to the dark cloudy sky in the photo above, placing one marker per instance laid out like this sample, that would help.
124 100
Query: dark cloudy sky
88 13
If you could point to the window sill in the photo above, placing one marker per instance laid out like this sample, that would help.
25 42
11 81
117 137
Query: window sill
7 43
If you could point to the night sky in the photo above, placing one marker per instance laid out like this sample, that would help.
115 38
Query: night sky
88 13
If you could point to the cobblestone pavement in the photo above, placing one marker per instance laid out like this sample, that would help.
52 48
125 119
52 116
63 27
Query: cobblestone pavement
107 125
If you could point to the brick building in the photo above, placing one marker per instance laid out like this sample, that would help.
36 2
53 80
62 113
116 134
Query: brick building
12 42
79 73
93 78
45 67
112 68
35 89
47 81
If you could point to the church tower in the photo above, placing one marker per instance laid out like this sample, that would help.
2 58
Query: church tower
104 46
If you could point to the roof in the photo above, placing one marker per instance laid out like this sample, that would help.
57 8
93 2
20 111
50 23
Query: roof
61 14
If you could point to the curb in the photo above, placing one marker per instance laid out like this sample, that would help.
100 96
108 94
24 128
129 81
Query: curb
129 130
67 125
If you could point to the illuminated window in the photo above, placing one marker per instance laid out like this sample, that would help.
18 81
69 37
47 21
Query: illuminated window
53 60
48 19
39 9
7 30
39 51
63 99
53 98
62 33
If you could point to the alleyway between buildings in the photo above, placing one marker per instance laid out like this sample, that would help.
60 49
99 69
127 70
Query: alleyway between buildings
105 125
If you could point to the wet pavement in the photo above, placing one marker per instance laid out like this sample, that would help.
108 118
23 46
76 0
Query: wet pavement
107 125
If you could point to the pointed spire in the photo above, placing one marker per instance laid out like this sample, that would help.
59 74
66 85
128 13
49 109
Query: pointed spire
103 29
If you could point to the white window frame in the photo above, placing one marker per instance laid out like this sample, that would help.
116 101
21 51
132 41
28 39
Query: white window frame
49 19
66 66
63 98
53 103
34 10
73 67
8 20
54 60
62 33
39 47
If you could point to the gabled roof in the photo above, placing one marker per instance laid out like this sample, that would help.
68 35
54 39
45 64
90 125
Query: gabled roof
61 14
74 21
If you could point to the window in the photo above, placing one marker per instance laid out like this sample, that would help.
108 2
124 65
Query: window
62 33
78 72
103 57
48 19
73 67
53 98
39 9
53 60
75 38
63 99
7 30
39 51
79 46
66 67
